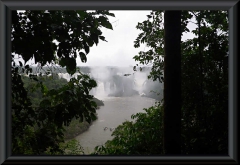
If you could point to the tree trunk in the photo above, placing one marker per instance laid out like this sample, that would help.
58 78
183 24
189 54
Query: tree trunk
172 82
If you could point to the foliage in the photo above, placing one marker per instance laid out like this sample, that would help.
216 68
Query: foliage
75 128
74 30
73 147
98 102
52 37
204 89
154 39
140 137
205 86
34 90
54 82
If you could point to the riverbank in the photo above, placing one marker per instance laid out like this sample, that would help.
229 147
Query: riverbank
115 111
99 102
76 128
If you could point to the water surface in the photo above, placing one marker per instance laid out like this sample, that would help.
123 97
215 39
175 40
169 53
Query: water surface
115 111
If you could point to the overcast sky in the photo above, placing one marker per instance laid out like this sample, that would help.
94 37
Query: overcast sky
119 50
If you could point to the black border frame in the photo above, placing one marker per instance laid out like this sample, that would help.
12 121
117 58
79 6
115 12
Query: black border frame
5 79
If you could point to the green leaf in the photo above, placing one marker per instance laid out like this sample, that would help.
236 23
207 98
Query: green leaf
149 16
102 38
82 13
86 48
45 103
93 83
90 41
70 65
83 57
95 38
105 23
93 116
44 89
34 78
111 14
62 62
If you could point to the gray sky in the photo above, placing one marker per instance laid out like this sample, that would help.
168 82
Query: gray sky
119 50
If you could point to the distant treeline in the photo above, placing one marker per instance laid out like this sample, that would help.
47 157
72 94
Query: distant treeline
83 69
54 82
152 89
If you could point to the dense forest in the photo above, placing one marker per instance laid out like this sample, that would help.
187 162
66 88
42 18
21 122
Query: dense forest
204 89
55 82
44 106
60 106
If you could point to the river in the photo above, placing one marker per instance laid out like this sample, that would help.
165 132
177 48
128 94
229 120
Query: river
115 111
